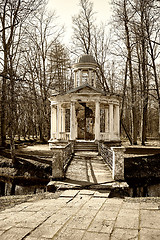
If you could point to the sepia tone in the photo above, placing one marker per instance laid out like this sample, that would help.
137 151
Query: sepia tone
79 120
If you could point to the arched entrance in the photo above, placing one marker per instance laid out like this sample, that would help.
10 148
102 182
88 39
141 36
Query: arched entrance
85 121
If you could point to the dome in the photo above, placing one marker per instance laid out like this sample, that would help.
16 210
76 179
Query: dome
86 58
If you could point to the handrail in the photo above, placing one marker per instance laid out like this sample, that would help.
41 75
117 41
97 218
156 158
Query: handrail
107 155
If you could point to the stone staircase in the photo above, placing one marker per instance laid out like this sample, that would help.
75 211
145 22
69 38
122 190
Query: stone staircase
86 146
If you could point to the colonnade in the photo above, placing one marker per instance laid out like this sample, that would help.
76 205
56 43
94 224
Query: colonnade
79 76
58 119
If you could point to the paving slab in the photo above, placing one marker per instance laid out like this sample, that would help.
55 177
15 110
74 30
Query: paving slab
104 194
150 219
101 225
86 192
69 234
124 234
148 234
96 236
69 193
15 233
128 220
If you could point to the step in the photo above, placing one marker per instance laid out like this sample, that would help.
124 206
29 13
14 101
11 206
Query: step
86 146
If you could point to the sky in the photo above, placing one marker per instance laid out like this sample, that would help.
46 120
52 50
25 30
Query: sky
65 9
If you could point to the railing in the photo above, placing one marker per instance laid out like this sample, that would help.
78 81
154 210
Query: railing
62 136
67 155
114 157
107 154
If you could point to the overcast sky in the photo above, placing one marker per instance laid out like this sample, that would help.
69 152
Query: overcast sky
65 9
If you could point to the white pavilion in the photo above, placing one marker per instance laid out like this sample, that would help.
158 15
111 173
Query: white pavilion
86 112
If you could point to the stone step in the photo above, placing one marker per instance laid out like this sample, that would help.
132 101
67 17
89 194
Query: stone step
86 146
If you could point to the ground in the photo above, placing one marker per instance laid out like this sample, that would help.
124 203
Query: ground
82 215
11 201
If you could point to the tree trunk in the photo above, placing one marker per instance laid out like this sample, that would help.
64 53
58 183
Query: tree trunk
154 70
3 108
133 101
2 188
13 189
12 149
144 71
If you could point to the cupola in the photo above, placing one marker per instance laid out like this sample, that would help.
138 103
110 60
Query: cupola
85 71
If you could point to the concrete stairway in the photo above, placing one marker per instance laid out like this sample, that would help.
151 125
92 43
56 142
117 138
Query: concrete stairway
86 146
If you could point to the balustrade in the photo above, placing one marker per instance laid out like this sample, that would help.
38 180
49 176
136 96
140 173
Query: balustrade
114 157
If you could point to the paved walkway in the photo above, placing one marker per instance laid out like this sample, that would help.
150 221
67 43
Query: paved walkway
87 168
83 214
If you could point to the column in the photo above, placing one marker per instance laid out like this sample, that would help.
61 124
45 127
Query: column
97 120
63 119
90 77
75 79
111 121
106 120
59 121
76 127
80 77
53 121
116 120
72 121
94 80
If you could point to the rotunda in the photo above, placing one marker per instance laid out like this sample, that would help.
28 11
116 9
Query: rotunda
85 112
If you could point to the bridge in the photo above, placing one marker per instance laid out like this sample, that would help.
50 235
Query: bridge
87 165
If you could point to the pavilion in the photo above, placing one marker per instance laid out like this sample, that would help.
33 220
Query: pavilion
86 112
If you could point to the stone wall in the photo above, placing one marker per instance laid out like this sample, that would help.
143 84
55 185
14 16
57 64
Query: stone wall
142 170
61 158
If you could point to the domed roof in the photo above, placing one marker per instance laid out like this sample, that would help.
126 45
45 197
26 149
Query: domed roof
86 58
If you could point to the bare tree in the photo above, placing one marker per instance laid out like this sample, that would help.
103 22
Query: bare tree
12 15
138 35
45 65
83 26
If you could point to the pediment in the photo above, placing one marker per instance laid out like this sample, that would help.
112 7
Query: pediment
85 89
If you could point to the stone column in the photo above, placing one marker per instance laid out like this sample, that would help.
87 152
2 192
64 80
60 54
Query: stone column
63 119
106 120
94 80
111 121
80 77
116 120
72 121
97 120
53 120
75 79
90 77
59 121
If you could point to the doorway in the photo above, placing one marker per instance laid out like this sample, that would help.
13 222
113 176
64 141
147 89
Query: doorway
85 122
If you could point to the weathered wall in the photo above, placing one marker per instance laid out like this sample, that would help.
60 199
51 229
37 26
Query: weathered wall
142 170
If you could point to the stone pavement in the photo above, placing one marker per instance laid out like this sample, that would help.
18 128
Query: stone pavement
88 167
82 214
